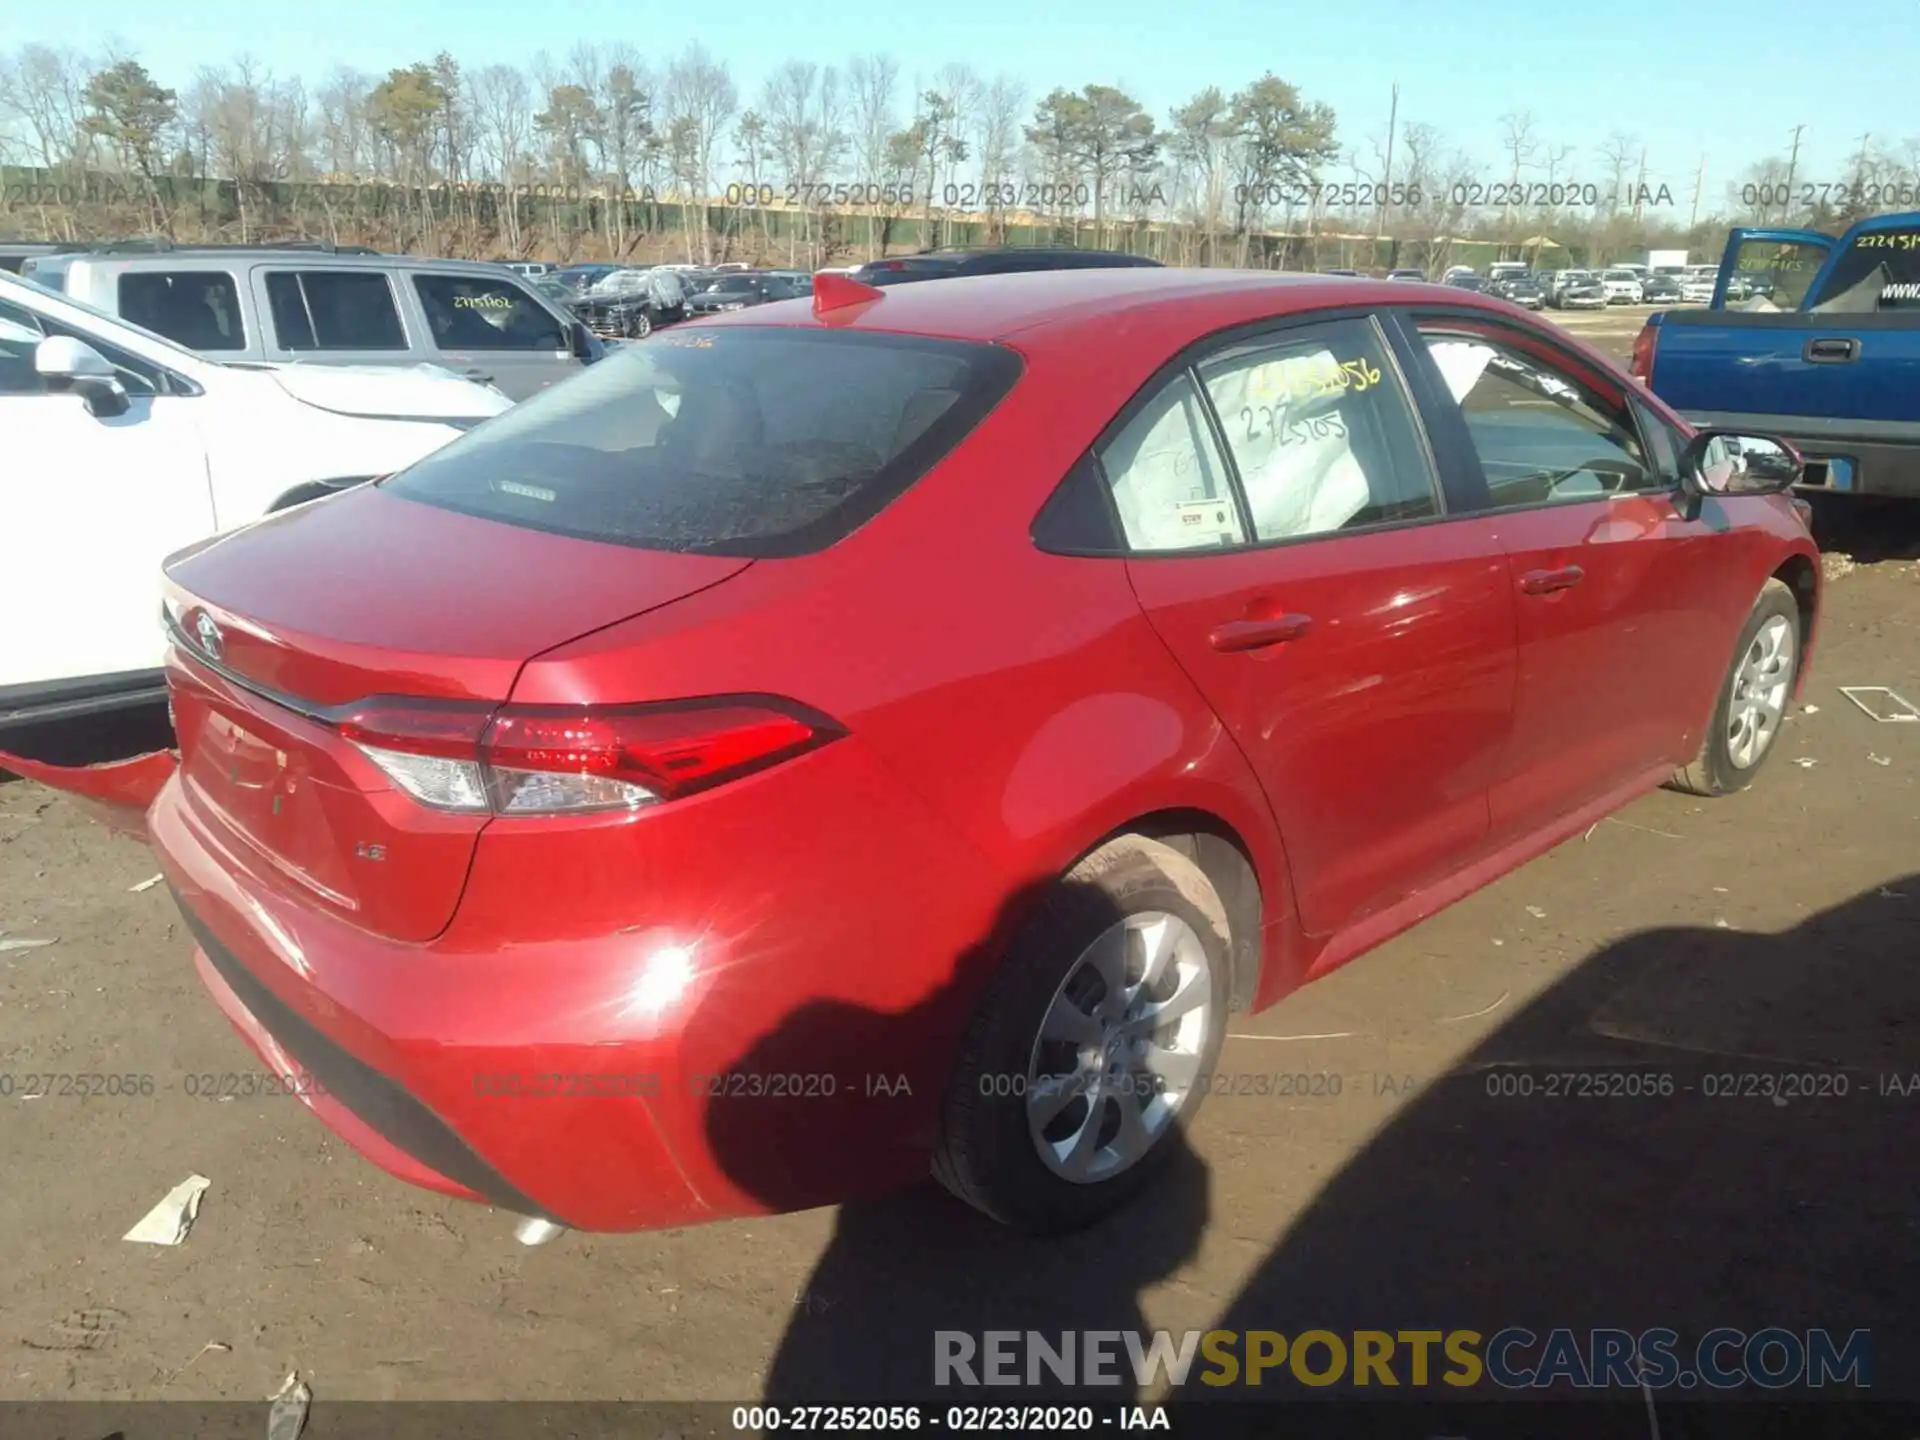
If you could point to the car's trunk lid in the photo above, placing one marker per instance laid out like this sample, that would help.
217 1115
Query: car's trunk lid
367 594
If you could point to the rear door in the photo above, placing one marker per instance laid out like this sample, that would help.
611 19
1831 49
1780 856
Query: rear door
495 331
1619 596
1291 545
332 317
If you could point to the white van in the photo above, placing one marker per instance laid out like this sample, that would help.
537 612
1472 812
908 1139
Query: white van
121 447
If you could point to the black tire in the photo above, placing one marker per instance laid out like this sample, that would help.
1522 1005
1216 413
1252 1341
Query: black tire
1713 771
641 326
986 1154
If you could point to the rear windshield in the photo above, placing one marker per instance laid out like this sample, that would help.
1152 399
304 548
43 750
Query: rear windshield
747 441
1880 270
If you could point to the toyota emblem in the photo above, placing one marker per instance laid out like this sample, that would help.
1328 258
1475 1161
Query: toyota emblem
208 635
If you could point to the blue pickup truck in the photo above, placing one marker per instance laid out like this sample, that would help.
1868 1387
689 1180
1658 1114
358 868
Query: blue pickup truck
1810 337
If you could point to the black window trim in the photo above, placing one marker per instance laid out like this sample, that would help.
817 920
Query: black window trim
171 383
267 272
1188 361
1457 441
235 278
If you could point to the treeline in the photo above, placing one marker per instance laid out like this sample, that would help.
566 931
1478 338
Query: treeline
600 154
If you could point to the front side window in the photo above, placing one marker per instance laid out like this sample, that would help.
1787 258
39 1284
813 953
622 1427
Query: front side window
476 314
1542 435
749 441
1168 480
334 310
21 332
1321 432
199 309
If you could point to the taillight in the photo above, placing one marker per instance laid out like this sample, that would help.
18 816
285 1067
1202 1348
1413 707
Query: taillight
558 759
1641 367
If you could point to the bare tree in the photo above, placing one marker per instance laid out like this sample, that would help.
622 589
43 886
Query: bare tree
873 83
701 99
1619 154
1518 140
1199 145
46 93
1002 103
502 107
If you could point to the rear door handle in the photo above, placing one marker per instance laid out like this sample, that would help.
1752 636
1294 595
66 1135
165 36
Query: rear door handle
474 372
1545 582
1831 351
1238 635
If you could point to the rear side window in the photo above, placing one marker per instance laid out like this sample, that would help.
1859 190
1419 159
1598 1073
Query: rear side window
1169 483
1321 432
334 310
199 309
465 313
742 441
1877 271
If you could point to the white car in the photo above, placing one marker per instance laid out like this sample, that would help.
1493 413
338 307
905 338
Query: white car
1622 287
1697 289
121 447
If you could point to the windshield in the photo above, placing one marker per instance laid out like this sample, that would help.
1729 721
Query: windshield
740 441
733 282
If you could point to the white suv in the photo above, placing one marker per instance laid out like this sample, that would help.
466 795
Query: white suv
121 447
1623 287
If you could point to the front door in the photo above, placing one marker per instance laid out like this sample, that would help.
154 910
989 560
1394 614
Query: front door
495 331
1293 550
1618 598
94 504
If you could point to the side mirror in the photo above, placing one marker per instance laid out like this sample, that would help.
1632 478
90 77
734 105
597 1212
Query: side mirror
1724 462
83 370
587 347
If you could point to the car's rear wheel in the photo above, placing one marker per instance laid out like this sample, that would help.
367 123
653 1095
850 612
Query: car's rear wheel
1752 706
1094 1043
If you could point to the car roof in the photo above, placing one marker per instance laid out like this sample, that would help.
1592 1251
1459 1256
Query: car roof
321 256
1174 305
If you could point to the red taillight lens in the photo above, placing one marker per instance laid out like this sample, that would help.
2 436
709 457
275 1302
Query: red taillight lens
1641 367
547 760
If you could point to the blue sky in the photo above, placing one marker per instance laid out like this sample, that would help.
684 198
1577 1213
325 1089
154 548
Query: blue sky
1728 82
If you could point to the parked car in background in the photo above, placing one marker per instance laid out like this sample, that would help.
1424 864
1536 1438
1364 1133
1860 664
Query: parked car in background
1338 270
944 264
121 447
1660 290
1467 280
712 664
326 305
532 269
1623 286
738 290
1406 275
583 277
15 253
1584 292
629 304
1554 281
1520 288
1826 356
1697 290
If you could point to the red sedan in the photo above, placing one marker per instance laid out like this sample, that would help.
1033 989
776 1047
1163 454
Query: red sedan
830 743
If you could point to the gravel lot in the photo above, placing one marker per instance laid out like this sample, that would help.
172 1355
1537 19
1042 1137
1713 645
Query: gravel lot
1762 933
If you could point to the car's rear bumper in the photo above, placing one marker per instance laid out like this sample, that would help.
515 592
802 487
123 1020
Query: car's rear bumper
534 1057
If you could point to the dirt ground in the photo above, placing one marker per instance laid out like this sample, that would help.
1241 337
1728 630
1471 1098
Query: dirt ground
1769 932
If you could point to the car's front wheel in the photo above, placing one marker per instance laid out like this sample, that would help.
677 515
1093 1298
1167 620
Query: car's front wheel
1094 1043
1752 705
640 326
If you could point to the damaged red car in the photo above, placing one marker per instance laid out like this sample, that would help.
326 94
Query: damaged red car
838 742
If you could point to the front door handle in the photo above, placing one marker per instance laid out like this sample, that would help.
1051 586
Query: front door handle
1545 582
476 373
1831 351
1237 635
